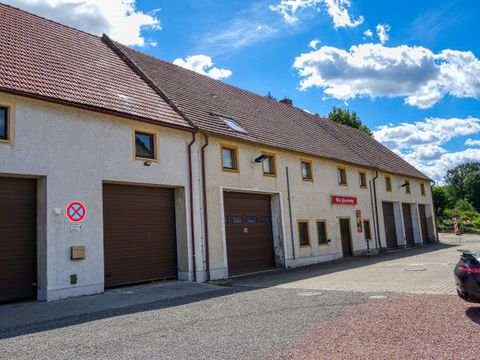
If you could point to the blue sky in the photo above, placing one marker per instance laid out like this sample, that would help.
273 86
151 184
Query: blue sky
410 69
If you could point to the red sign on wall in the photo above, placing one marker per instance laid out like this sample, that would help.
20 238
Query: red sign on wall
76 212
344 200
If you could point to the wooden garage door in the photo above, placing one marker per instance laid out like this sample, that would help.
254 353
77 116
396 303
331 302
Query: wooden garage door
18 239
139 234
248 228
389 221
407 220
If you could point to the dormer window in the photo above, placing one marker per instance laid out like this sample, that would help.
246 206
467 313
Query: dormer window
233 125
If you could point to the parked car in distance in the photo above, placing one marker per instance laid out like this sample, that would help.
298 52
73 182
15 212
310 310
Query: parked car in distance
467 276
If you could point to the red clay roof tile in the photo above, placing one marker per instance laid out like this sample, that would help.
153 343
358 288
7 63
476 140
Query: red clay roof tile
266 121
45 59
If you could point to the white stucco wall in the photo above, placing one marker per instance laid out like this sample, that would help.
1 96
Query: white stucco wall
310 201
73 152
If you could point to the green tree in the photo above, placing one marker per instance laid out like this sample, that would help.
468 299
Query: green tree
442 199
472 189
463 205
346 118
457 177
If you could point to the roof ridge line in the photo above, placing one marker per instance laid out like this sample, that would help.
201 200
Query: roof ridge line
265 98
135 68
345 143
49 20
373 166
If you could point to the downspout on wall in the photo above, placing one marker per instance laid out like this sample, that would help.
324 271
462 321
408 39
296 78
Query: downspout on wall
205 210
192 225
377 237
434 212
290 211
373 213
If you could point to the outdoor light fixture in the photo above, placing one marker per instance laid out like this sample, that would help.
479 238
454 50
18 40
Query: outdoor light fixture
147 163
261 158
406 184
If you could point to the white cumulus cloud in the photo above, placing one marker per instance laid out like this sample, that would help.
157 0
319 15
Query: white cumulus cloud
336 9
471 142
421 143
373 70
368 33
313 44
117 18
382 32
203 64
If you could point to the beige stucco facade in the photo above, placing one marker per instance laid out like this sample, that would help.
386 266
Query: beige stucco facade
310 201
72 153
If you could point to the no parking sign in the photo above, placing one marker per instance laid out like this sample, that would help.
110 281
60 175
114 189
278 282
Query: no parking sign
76 211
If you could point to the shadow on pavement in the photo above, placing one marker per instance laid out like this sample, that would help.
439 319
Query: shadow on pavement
27 318
473 313
282 276
13 330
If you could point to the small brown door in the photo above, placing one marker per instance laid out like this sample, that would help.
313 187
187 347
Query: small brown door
389 221
346 236
423 223
18 239
407 221
248 229
139 234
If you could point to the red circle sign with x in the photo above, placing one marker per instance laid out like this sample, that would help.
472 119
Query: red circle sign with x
76 211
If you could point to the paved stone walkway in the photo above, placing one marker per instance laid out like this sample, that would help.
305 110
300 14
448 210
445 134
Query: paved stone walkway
428 270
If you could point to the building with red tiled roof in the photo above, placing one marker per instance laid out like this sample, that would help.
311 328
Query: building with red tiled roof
94 170
118 168
284 187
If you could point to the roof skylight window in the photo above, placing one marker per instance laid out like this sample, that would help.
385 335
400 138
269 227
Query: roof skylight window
233 125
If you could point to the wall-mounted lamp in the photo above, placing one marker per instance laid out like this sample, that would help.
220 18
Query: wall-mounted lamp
261 158
147 163
406 184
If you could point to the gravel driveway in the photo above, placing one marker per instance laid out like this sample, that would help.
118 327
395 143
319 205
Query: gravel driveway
400 327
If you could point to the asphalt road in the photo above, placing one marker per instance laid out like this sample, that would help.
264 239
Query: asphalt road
233 323
282 315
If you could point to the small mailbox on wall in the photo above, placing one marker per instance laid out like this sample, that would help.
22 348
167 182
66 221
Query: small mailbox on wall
77 252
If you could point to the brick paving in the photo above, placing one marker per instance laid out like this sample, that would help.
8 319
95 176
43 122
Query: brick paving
427 270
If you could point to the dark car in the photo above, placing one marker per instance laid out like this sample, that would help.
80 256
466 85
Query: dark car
467 276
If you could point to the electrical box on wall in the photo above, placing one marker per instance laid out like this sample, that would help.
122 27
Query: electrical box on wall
77 252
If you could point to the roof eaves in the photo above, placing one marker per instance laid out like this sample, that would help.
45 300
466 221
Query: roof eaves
93 108
235 137
138 70
366 159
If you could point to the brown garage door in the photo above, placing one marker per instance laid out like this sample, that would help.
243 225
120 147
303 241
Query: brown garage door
18 239
248 228
423 223
139 234
407 220
389 221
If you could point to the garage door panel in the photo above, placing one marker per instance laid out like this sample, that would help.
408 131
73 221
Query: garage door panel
423 223
389 223
252 250
140 234
408 225
18 237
